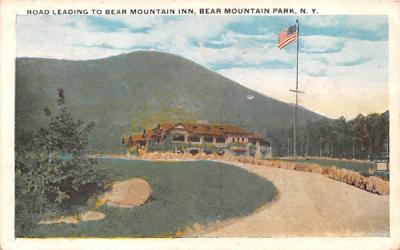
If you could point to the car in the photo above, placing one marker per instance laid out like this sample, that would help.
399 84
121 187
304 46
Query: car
178 150
220 152
194 151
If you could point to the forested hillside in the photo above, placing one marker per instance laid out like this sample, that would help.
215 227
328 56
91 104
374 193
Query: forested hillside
126 93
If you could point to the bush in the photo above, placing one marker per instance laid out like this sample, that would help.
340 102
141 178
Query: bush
57 177
165 146
383 175
134 151
235 144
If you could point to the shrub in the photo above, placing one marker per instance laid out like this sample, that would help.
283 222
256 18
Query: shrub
235 144
134 151
383 175
57 176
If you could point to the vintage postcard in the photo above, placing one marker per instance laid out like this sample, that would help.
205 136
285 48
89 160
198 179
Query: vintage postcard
215 125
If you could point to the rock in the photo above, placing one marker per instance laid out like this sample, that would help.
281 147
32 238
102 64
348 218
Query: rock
349 175
74 219
302 167
337 174
62 219
130 193
289 165
377 185
326 171
315 168
370 185
361 182
92 215
382 187
354 178
343 175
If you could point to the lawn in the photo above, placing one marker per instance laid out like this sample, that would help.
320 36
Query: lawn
361 167
184 193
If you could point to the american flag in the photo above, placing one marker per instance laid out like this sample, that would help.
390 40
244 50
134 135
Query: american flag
287 36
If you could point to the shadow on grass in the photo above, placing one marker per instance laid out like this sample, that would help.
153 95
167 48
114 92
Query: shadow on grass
184 193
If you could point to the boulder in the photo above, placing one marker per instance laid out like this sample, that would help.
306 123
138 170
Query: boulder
370 185
129 193
75 219
336 174
344 175
361 182
382 187
302 167
328 171
315 168
354 178
377 185
92 215
291 165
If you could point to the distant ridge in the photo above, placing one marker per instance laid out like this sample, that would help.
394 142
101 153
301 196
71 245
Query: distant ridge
126 93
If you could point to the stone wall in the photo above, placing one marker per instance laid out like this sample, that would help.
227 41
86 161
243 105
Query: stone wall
372 183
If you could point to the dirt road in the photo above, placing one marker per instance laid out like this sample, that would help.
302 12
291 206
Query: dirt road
308 205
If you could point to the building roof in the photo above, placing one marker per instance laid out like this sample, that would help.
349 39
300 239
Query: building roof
194 128
138 137
166 126
210 129
255 136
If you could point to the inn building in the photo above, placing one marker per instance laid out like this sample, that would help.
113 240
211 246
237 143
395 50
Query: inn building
228 139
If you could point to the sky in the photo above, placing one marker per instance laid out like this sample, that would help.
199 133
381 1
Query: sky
343 60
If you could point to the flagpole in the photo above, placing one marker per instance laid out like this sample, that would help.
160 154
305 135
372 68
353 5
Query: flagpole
297 93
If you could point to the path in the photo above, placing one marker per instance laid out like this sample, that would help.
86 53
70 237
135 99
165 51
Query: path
308 205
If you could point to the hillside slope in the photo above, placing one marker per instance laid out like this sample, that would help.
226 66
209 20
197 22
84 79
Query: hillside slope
125 93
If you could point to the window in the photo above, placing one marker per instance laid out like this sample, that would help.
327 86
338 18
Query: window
233 139
220 140
194 138
178 138
242 139
208 139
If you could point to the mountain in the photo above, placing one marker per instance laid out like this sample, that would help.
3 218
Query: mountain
126 93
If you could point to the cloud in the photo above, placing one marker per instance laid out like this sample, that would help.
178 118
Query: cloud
174 35
138 22
365 23
354 58
239 56
357 22
321 44
337 53
371 28
321 21
333 97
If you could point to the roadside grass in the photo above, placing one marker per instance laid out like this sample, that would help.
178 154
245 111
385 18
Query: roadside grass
183 193
361 167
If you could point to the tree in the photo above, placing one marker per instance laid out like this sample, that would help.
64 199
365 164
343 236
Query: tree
58 171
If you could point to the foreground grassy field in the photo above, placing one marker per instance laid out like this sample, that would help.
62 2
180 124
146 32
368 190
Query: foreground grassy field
184 193
361 167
